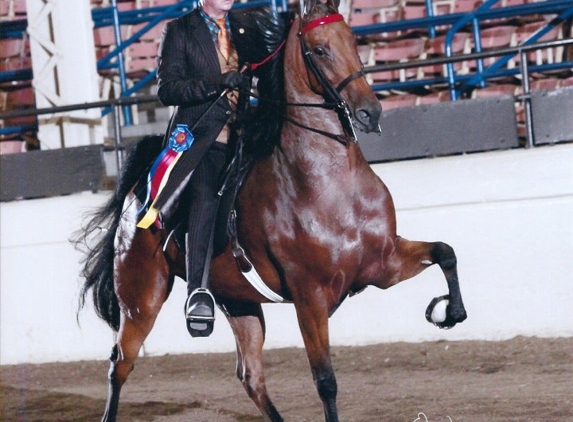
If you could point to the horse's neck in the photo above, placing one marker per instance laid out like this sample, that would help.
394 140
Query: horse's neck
305 118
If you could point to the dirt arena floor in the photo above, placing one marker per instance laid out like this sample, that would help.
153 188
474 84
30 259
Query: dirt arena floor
523 379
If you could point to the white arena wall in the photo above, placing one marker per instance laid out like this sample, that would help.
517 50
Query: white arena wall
508 214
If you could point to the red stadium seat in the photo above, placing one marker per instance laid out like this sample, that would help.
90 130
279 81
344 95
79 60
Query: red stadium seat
398 101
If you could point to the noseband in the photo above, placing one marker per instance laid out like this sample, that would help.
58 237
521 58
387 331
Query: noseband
332 94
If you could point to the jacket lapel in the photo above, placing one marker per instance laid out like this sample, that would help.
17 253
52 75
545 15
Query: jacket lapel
200 32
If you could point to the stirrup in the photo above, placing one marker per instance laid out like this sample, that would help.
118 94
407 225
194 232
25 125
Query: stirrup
200 313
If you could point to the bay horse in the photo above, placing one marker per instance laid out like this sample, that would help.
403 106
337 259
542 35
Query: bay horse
312 216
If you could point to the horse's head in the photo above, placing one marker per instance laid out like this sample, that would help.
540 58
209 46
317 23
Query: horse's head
334 69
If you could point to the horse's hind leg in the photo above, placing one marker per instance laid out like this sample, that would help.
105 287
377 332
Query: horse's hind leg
413 257
248 324
142 285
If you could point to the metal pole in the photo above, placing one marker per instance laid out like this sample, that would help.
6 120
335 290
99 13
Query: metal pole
120 61
526 99
117 139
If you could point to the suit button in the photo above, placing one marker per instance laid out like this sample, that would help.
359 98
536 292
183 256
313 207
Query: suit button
227 112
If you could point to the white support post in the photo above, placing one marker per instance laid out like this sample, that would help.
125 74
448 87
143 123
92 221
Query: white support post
64 64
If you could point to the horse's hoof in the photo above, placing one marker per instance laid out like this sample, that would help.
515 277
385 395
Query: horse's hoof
437 312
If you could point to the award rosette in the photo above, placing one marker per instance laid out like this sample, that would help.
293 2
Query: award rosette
179 141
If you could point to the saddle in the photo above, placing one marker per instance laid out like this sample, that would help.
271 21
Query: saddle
225 229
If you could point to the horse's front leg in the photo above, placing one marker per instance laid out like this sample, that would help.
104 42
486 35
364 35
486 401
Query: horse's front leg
312 314
248 324
412 257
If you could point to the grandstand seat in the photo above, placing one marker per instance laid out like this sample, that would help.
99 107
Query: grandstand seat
153 34
413 11
546 84
157 3
20 98
360 18
365 53
494 90
26 121
496 37
398 101
464 6
15 63
492 38
4 9
508 3
398 51
567 82
526 31
436 47
368 12
10 146
140 59
136 68
434 97
11 47
105 36
19 7
124 6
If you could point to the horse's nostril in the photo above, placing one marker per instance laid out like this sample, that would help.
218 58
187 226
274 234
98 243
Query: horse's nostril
363 116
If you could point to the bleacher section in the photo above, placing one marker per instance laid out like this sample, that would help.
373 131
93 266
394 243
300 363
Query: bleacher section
16 85
388 32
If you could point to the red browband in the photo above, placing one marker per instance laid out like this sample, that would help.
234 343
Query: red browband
337 17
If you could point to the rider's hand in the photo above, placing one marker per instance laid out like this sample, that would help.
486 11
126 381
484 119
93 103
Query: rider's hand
231 80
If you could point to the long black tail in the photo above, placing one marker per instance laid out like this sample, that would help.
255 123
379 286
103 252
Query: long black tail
96 237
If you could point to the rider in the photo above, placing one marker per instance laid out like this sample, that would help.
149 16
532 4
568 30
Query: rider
198 72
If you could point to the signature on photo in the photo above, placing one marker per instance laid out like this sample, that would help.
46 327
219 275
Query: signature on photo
423 418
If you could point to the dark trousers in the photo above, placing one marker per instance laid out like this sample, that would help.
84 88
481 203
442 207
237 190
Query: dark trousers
202 194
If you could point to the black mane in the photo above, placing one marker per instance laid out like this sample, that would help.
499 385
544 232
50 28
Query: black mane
266 32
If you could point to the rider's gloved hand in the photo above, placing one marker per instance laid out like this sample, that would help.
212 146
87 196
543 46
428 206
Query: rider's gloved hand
215 84
231 80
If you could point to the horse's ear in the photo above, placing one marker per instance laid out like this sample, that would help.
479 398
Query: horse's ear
333 4
308 6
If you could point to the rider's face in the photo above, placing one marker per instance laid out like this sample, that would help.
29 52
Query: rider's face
217 8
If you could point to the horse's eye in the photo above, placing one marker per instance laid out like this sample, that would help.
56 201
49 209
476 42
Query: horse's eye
320 51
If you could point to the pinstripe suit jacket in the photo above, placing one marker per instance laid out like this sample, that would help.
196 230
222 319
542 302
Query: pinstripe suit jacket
187 78
188 66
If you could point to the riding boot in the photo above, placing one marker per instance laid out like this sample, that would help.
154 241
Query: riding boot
200 303
203 203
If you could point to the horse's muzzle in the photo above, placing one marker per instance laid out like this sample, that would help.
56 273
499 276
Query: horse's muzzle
368 117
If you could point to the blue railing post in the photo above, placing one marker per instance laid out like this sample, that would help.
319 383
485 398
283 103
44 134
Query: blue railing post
430 13
476 30
121 63
450 37
479 78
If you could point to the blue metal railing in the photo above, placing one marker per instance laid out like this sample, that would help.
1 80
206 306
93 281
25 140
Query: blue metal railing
151 17
457 21
480 77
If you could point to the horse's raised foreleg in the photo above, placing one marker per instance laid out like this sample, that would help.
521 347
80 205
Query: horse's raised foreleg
312 314
248 324
413 257
142 284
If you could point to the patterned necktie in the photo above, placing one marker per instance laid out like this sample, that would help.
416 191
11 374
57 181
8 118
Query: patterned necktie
222 38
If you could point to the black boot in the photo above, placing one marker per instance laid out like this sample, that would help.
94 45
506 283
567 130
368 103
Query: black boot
200 304
203 202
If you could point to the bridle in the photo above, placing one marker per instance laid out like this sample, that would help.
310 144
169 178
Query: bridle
331 93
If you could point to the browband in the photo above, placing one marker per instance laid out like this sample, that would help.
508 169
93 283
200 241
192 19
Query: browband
337 17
